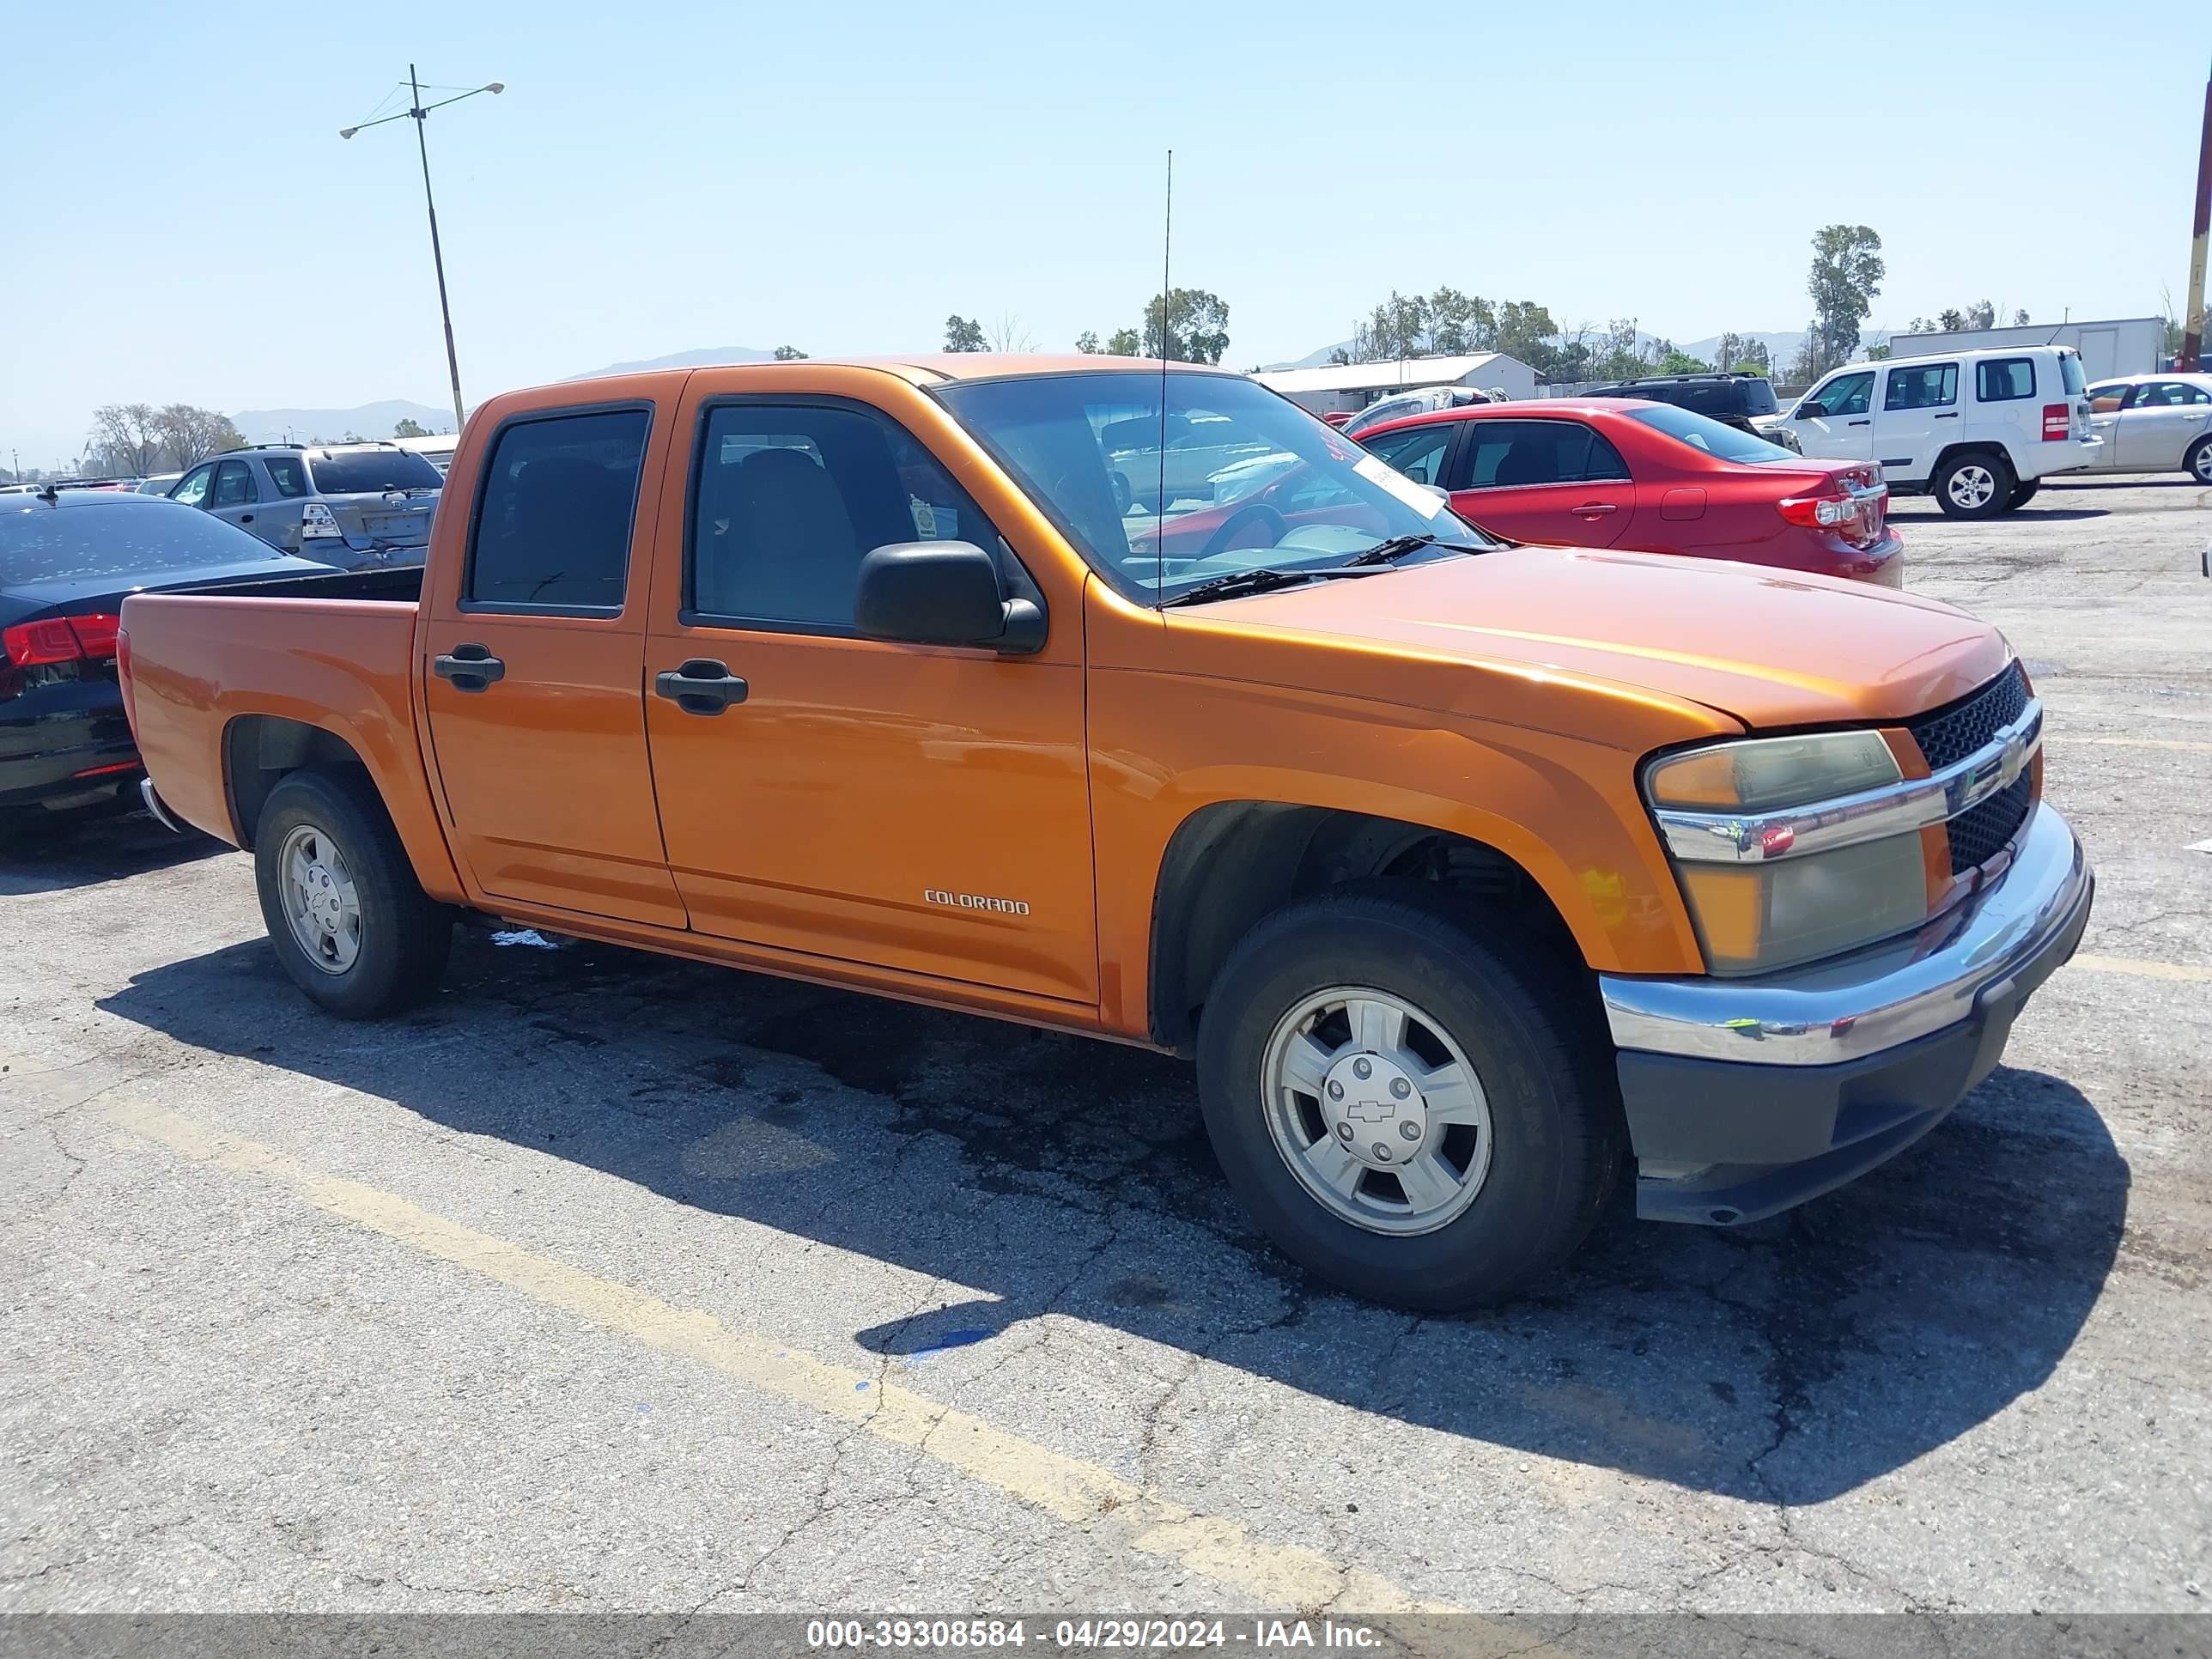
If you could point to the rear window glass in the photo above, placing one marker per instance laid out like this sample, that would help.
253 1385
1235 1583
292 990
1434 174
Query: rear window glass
2069 370
553 527
1729 443
368 471
287 474
147 538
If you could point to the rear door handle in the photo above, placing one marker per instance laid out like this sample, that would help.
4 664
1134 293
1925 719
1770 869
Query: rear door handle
245 518
471 667
1592 509
701 686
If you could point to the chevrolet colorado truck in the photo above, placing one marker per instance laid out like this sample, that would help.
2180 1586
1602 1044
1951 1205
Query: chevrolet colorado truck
1466 873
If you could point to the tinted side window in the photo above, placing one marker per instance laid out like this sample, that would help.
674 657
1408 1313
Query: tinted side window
1504 454
789 498
234 484
1418 451
2000 379
287 474
2170 394
553 523
1847 394
1930 385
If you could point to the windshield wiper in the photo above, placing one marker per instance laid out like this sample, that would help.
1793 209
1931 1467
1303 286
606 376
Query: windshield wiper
1391 551
1237 585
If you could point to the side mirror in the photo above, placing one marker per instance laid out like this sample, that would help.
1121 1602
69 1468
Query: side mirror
942 593
1809 412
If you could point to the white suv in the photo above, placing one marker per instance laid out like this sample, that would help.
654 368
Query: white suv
1976 430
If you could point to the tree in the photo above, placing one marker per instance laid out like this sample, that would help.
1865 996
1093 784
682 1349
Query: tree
962 333
1752 357
1525 331
1399 328
1196 327
126 438
789 355
191 435
1008 334
1981 314
409 427
1728 349
2019 318
1338 357
1677 361
1846 274
1087 343
1614 356
1124 343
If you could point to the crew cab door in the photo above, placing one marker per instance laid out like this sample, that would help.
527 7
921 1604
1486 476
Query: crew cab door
1553 480
915 807
533 671
1843 430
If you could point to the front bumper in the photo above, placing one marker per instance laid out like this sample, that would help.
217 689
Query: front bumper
1746 1097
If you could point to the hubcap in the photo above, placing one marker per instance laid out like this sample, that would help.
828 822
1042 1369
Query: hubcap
1972 485
2204 464
1377 1110
319 900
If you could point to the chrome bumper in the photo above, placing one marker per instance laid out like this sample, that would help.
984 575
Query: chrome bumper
1873 1000
159 807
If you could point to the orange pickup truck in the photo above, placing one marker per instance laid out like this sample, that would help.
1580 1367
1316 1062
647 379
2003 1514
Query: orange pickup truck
1466 872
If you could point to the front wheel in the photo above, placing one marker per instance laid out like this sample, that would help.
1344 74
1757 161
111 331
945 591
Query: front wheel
350 922
1976 485
1400 1108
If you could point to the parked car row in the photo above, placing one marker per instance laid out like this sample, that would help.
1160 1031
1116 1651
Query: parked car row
344 504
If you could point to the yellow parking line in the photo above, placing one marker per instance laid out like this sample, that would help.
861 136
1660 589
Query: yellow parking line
1275 1575
2140 968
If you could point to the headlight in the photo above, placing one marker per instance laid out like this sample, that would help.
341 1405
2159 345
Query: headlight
1757 904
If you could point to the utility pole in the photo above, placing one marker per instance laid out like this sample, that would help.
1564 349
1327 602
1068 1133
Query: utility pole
420 114
2192 338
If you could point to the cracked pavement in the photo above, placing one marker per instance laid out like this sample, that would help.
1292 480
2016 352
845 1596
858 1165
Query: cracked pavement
1976 1379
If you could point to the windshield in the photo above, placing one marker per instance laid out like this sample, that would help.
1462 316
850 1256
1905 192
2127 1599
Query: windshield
1249 480
127 544
365 471
1728 443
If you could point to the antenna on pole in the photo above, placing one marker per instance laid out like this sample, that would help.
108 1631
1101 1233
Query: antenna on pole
1167 314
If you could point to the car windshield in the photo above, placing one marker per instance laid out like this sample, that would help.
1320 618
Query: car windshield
142 541
365 472
1248 480
1726 443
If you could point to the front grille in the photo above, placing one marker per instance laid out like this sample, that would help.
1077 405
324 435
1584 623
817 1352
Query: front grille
1952 733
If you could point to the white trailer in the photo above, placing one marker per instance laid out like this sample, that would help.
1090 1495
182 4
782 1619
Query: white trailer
2133 345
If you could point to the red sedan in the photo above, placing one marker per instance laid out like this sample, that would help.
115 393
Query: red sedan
1621 472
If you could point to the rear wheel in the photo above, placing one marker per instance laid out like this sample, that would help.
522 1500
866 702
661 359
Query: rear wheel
1976 485
350 922
1399 1109
2024 491
2199 461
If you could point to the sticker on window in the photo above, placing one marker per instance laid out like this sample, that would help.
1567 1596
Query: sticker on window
1376 471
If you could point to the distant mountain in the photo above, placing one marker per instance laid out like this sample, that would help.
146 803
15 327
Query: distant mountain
684 360
1317 359
276 426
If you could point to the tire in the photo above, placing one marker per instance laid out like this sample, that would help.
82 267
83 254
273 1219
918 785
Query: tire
2024 492
1120 484
2199 460
1975 485
1544 1125
381 941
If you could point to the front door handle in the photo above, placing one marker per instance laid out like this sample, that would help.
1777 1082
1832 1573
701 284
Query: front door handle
701 686
1866 422
1592 509
1952 415
471 667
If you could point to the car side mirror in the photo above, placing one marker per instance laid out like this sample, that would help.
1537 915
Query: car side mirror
942 593
1810 411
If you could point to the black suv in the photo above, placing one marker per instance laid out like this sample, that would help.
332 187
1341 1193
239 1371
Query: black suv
1732 399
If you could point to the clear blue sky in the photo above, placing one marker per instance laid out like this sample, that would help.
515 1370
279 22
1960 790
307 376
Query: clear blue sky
840 176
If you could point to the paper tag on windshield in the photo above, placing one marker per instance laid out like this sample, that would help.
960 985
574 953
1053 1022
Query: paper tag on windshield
1376 471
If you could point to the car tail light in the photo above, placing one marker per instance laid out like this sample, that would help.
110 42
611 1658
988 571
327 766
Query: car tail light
318 523
2058 422
1820 512
60 639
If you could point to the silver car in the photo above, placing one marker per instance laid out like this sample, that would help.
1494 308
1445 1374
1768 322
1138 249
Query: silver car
2154 423
348 505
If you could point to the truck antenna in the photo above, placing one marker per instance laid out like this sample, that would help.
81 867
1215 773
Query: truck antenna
1167 313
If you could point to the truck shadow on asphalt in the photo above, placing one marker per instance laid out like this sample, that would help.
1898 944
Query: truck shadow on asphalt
1788 1362
51 853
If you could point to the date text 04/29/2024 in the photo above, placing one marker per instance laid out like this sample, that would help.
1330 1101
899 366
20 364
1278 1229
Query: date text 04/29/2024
1257 1635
